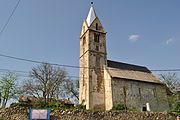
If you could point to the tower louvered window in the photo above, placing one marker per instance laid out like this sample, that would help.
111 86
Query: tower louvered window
96 37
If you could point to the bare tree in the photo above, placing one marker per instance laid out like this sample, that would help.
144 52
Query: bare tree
173 84
171 80
72 88
30 88
46 80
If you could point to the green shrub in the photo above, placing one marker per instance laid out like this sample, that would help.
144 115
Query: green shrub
24 105
80 107
43 104
2 118
40 104
133 109
176 108
51 105
119 107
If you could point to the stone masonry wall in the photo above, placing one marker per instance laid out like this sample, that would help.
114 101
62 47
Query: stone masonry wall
21 114
136 94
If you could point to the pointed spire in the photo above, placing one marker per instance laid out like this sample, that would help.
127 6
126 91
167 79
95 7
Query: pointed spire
91 16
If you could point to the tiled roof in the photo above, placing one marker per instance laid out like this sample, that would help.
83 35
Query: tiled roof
125 66
130 72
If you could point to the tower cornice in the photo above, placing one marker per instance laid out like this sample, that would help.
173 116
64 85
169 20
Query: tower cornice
93 31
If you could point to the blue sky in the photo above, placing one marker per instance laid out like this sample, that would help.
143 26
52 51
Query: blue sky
142 32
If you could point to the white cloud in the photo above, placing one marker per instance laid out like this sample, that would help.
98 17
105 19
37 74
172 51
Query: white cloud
169 41
134 38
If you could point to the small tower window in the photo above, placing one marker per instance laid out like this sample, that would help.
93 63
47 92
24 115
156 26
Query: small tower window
96 26
84 40
96 37
97 48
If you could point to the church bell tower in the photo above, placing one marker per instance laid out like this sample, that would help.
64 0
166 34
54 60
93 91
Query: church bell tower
92 61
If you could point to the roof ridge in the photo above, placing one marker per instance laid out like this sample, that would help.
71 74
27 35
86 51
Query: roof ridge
127 66
126 63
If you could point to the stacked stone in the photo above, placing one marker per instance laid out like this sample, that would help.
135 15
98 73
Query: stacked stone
22 114
14 114
110 115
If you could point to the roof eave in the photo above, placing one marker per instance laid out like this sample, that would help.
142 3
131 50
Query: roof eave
138 80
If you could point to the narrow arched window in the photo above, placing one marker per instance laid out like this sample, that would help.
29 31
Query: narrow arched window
84 40
96 26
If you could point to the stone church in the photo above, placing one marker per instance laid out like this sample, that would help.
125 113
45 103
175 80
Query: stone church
105 83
